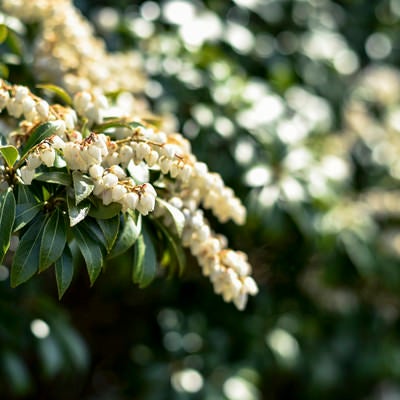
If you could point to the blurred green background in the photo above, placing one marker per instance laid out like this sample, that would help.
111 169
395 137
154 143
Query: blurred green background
297 104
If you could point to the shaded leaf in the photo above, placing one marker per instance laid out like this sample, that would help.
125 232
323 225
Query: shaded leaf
7 217
110 228
127 235
83 186
14 43
26 258
51 356
64 271
99 211
9 153
40 133
25 195
58 177
25 213
144 260
91 252
53 240
16 373
60 92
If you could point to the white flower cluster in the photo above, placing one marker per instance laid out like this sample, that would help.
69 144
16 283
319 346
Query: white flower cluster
67 52
229 270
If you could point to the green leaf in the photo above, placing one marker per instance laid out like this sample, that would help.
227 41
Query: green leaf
83 186
10 154
175 249
40 133
16 373
175 214
3 33
60 92
91 252
99 211
26 258
64 271
144 260
93 231
128 235
77 213
7 216
58 177
114 123
51 357
4 71
14 43
25 195
110 228
53 240
25 213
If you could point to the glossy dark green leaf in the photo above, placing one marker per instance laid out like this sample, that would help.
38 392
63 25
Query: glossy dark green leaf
25 194
26 258
60 92
99 211
9 153
127 236
91 252
25 213
93 231
77 213
175 214
64 268
58 177
110 229
144 260
83 186
40 133
7 217
53 240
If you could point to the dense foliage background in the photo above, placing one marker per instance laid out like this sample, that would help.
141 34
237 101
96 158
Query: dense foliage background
296 104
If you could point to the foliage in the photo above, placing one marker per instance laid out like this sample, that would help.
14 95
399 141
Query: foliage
296 104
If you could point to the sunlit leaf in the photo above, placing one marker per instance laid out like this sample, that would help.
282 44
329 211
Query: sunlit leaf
60 92
10 154
53 240
77 213
83 186
3 33
64 269
26 258
7 216
40 133
175 214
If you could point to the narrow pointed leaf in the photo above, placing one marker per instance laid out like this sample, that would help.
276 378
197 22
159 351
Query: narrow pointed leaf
26 258
40 133
110 228
7 216
58 177
144 260
25 213
25 195
91 252
53 240
176 215
60 92
64 268
9 153
92 229
99 211
83 186
77 213
128 235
